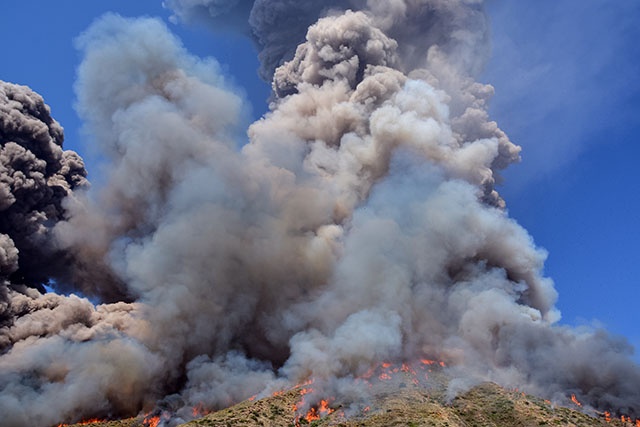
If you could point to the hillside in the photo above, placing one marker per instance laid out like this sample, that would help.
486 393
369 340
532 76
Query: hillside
486 405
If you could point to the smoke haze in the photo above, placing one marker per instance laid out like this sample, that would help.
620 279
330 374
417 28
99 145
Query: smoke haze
357 222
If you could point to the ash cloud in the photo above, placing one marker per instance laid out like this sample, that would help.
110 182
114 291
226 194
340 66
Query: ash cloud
357 222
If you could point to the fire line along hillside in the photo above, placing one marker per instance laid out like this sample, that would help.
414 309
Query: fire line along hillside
412 395
486 405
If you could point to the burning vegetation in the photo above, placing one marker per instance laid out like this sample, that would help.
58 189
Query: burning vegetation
486 404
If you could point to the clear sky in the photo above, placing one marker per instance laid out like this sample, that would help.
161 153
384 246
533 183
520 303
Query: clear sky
567 79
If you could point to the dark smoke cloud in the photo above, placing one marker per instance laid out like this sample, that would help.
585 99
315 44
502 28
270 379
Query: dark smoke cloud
258 19
279 26
35 176
358 223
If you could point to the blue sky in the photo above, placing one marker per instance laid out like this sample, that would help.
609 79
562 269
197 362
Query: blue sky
567 79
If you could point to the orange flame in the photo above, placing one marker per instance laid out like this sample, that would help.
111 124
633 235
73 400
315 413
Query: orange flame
432 362
151 421
607 416
322 410
575 400
324 407
312 415
307 382
154 421
384 376
199 411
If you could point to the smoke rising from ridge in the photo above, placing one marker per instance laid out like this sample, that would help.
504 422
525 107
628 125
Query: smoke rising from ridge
357 222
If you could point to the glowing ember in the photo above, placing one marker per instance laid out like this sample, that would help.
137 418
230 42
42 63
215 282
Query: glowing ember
575 400
430 362
384 376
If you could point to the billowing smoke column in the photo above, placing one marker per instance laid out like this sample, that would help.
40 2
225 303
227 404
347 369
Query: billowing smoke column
358 223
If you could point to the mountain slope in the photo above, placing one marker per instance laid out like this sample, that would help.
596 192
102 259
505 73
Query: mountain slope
486 405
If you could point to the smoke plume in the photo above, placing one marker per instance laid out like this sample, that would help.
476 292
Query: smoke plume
357 222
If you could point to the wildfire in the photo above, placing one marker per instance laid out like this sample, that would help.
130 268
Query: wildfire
151 421
385 371
623 418
430 362
384 376
315 412
199 411
575 400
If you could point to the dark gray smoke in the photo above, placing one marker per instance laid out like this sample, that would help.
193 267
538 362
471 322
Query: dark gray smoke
279 26
257 19
35 176
359 223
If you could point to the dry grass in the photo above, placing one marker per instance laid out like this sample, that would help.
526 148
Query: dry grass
486 405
